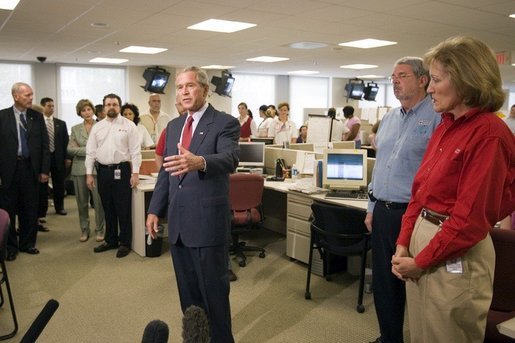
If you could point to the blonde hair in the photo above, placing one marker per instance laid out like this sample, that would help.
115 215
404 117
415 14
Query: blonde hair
83 103
473 71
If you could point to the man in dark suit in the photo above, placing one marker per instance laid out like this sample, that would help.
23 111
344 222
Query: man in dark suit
59 159
24 163
193 186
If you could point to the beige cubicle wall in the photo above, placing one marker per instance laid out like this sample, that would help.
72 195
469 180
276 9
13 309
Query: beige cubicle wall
288 155
344 145
303 146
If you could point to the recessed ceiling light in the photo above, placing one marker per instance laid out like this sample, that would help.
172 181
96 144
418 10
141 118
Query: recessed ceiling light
307 45
8 4
367 43
359 66
267 59
512 15
371 76
217 25
216 66
108 60
99 25
142 50
303 72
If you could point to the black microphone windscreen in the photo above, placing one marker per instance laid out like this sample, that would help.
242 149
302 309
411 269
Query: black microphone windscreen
195 325
40 322
155 332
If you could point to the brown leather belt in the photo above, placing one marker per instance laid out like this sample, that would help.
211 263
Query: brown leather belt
433 217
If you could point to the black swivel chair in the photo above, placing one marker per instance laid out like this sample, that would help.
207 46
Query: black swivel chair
339 231
4 280
246 191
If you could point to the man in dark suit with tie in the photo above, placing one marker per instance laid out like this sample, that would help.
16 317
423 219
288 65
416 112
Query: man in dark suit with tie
193 187
59 159
24 163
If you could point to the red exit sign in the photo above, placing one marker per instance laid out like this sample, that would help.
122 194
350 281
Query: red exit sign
502 57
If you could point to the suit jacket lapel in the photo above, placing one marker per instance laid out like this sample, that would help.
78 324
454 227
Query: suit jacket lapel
202 129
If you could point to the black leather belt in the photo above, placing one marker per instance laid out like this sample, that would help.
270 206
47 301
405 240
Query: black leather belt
21 158
111 166
388 204
433 217
393 205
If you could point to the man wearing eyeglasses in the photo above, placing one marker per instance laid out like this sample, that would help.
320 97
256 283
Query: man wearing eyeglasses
401 142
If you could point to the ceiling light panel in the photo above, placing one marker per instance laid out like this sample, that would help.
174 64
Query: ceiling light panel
367 43
216 66
8 4
267 59
108 60
142 50
217 25
358 66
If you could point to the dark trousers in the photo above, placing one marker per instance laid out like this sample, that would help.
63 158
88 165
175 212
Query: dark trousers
389 291
21 198
58 174
116 196
203 280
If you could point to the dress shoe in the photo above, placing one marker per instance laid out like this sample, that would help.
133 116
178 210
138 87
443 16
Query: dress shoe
122 251
31 251
104 247
42 228
232 276
42 220
61 212
100 238
11 255
84 237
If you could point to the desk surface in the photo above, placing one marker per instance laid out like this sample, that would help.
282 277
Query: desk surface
283 187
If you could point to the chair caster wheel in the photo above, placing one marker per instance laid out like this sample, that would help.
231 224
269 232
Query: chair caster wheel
262 255
360 308
307 295
242 263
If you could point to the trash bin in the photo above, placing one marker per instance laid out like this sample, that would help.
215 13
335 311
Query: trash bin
155 247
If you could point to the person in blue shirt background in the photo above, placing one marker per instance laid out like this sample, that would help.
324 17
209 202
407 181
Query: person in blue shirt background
401 143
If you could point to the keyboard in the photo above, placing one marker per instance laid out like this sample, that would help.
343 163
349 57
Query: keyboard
350 195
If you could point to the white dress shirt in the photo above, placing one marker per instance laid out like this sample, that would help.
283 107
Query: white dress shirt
113 142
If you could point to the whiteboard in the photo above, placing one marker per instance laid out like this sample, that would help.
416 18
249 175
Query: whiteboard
319 128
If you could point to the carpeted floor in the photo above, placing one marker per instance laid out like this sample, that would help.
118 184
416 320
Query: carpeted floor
106 299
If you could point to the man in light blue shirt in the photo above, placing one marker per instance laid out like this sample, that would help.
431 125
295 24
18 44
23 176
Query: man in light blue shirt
401 143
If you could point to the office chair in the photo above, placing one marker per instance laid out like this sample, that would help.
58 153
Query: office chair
502 307
339 231
4 280
245 191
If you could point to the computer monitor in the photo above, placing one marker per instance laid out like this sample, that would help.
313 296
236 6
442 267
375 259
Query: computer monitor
345 169
252 154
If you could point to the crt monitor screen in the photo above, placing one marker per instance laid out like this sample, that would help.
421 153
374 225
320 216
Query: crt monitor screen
252 154
345 168
158 82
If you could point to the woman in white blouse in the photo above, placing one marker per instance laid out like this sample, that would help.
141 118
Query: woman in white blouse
131 112
282 129
268 119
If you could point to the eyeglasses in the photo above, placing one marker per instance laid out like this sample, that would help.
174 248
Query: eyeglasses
399 77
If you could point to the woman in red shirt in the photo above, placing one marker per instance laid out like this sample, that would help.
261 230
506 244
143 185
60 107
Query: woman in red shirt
465 184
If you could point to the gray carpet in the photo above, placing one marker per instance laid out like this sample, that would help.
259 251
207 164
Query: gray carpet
106 299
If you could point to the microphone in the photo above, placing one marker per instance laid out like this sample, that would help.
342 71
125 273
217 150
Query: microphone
40 322
195 325
155 332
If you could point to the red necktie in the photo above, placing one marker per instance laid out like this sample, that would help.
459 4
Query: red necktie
186 134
